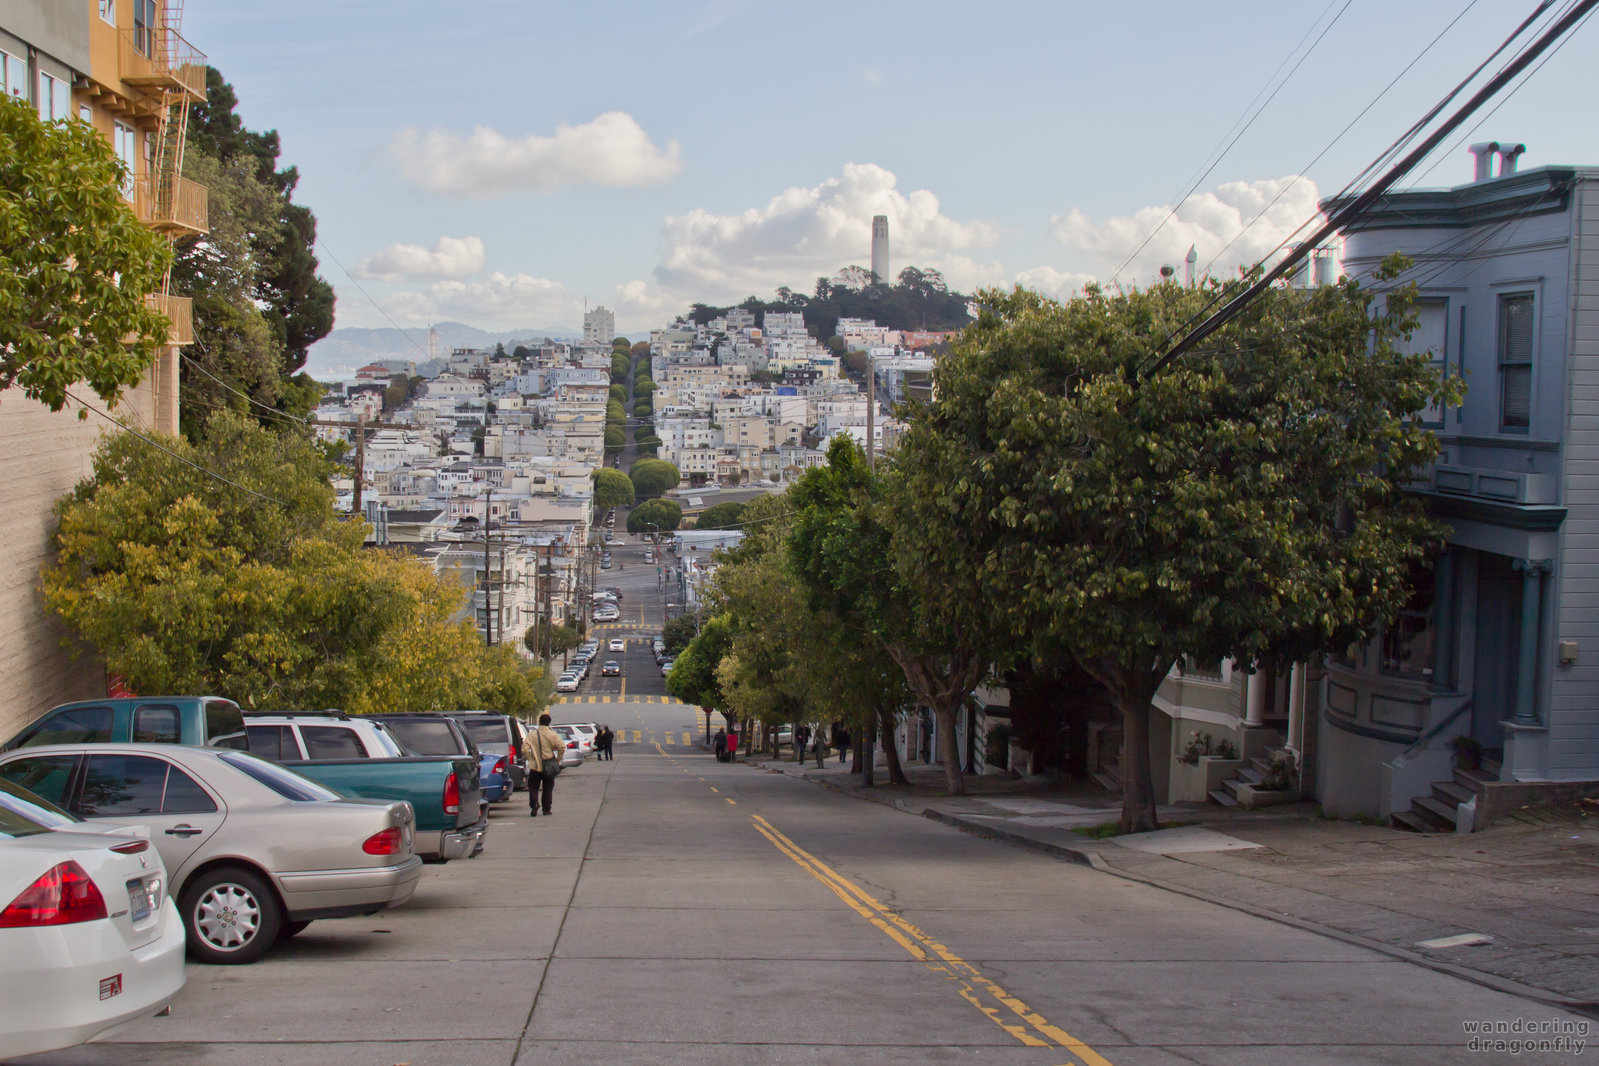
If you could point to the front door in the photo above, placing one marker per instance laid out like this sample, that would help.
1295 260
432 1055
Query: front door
1498 640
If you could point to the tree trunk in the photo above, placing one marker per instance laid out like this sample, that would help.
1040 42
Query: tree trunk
948 750
866 755
1133 690
896 772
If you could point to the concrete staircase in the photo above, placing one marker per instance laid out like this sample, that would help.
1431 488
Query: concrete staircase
1246 789
1439 811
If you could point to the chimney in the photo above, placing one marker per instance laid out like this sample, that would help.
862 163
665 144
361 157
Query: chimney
1507 158
1483 153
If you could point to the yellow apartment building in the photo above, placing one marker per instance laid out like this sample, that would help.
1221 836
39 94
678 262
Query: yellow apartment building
123 67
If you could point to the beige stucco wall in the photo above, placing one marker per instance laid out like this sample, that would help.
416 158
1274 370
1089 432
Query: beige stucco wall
45 454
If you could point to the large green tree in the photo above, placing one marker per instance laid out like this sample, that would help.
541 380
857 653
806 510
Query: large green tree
221 567
655 515
862 558
611 489
1245 502
75 265
651 477
720 516
259 302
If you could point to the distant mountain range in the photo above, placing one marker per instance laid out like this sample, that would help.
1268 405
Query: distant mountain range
344 351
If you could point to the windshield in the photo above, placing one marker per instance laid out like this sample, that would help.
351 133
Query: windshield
22 814
284 782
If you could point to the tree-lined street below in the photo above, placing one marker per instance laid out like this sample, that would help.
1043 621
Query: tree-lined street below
679 910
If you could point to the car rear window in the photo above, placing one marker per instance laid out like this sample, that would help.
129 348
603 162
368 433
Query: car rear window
283 781
224 724
77 725
331 742
426 736
486 730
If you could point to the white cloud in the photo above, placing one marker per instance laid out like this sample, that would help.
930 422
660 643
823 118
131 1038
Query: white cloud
450 257
874 75
1206 221
495 301
612 150
1056 284
804 233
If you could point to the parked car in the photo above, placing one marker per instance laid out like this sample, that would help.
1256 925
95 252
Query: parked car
89 937
567 682
253 851
495 777
500 734
425 733
578 746
666 666
202 721
360 757
617 644
588 731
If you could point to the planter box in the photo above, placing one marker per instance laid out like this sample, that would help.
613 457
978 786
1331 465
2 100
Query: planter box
1193 783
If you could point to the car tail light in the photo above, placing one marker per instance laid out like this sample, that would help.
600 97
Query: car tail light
452 795
64 895
387 842
571 744
132 847
499 767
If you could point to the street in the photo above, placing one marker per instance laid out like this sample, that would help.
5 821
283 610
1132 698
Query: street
679 910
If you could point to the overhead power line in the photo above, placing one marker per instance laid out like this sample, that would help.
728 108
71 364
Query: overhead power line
1352 210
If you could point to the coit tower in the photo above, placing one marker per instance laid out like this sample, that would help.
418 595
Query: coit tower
880 250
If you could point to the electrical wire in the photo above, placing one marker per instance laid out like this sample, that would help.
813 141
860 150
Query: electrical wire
322 245
152 442
273 411
1220 152
1340 136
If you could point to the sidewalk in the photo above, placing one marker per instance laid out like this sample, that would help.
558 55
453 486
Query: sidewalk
1515 907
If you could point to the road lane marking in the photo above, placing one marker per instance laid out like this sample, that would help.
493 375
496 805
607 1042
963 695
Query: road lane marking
935 956
713 788
734 802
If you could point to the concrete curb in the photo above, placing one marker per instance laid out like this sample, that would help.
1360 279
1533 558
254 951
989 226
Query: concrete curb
1092 858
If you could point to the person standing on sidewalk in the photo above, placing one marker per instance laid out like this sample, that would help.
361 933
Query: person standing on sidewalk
841 738
544 751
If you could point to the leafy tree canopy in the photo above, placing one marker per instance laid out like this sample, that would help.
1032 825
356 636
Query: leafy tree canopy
612 488
252 588
651 477
75 265
1246 502
920 299
720 516
693 677
665 515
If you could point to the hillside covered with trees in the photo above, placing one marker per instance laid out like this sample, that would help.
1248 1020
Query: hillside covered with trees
920 299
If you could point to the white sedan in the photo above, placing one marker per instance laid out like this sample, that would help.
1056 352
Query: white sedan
89 939
567 683
617 644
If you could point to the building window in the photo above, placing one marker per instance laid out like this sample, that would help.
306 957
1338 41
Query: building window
125 143
1407 644
108 11
1515 361
55 98
143 26
14 75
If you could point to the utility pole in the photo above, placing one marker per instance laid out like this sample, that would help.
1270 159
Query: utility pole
871 411
488 587
361 426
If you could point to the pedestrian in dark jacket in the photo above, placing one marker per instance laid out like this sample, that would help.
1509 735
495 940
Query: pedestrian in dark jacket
719 745
842 738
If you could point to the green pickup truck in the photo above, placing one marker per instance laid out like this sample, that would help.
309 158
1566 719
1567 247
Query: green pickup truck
444 792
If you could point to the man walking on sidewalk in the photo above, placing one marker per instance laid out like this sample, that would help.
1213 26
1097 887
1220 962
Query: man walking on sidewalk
544 750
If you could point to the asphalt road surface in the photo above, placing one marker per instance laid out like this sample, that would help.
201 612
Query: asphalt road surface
678 910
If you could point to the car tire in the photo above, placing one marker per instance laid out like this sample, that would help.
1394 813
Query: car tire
291 930
231 916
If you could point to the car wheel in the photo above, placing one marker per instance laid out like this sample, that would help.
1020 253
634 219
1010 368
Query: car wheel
292 929
231 916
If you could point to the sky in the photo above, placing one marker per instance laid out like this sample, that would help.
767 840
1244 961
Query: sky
505 163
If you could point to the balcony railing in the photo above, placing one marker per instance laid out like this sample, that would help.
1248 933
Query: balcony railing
179 311
173 204
159 58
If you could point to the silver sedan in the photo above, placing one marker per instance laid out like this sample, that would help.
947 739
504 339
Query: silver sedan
254 852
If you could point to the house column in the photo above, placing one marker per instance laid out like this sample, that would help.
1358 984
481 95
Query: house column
1532 572
1443 621
1254 699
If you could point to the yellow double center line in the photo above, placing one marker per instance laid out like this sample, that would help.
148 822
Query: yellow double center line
1029 1027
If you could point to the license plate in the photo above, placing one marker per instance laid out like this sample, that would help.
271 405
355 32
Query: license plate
139 902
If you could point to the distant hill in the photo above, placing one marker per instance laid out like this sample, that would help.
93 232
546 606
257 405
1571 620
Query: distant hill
344 351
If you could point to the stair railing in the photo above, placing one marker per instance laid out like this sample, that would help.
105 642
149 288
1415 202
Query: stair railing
1444 723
